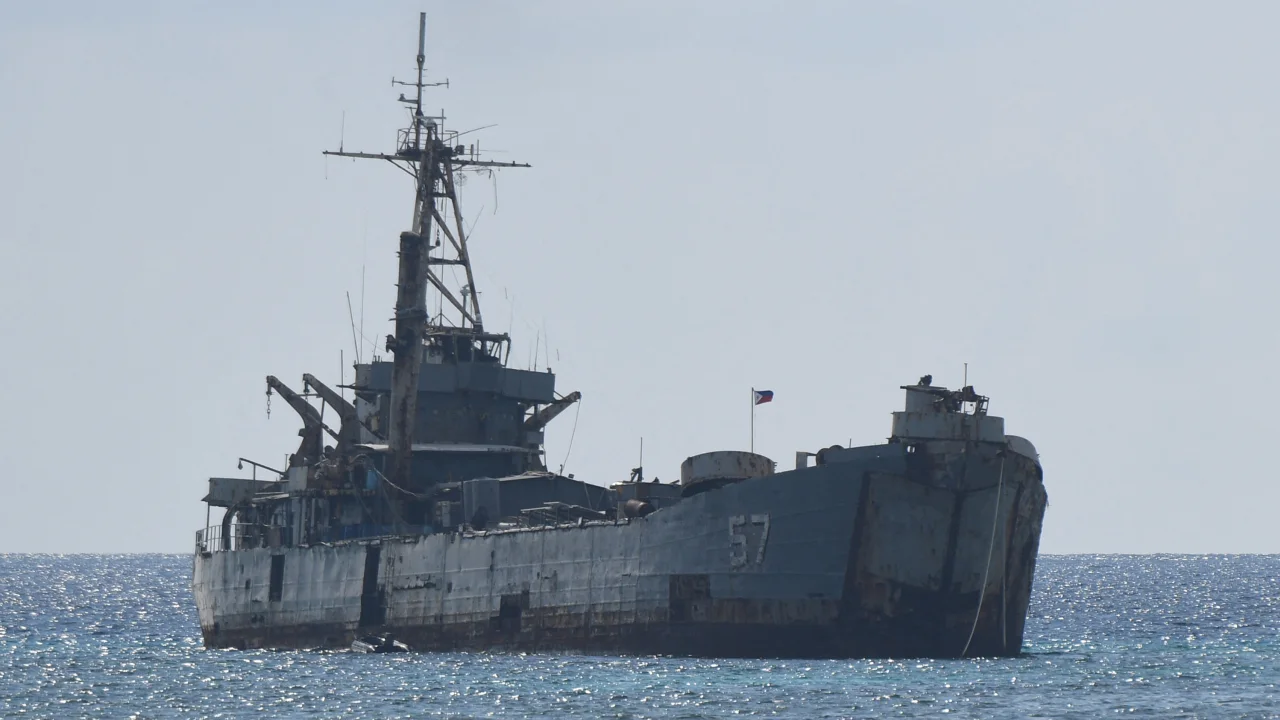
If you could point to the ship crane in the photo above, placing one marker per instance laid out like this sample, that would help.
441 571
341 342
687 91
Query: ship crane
540 419
543 417
349 431
313 427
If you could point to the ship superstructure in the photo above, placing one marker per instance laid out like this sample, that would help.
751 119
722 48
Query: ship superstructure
432 516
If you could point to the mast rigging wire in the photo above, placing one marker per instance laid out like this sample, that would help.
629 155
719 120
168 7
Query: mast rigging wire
576 411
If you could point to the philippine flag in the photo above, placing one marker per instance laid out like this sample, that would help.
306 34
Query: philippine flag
763 396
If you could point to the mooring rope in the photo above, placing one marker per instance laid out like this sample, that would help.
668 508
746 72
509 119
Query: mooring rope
986 573
1004 591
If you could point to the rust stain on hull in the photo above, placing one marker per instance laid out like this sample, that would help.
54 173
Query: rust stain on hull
599 588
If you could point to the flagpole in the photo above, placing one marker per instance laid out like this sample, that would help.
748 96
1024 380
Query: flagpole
753 419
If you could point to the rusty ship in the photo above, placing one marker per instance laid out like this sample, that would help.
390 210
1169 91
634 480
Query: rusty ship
429 515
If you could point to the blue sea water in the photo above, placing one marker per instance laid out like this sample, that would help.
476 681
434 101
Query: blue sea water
1108 636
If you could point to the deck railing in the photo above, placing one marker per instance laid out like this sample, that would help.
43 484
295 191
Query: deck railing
243 536
249 536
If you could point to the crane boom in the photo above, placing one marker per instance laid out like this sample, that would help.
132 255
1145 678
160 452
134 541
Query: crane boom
309 415
348 432
312 445
540 419
336 401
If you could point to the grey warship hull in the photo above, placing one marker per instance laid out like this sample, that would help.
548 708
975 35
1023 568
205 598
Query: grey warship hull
881 551
432 519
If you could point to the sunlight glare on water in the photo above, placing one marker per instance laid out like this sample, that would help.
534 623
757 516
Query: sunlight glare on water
1151 636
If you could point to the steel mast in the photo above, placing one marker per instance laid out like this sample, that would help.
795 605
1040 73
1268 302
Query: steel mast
428 154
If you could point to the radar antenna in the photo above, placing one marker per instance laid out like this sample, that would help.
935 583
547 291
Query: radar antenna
425 150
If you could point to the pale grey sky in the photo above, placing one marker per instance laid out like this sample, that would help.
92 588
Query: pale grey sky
823 199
